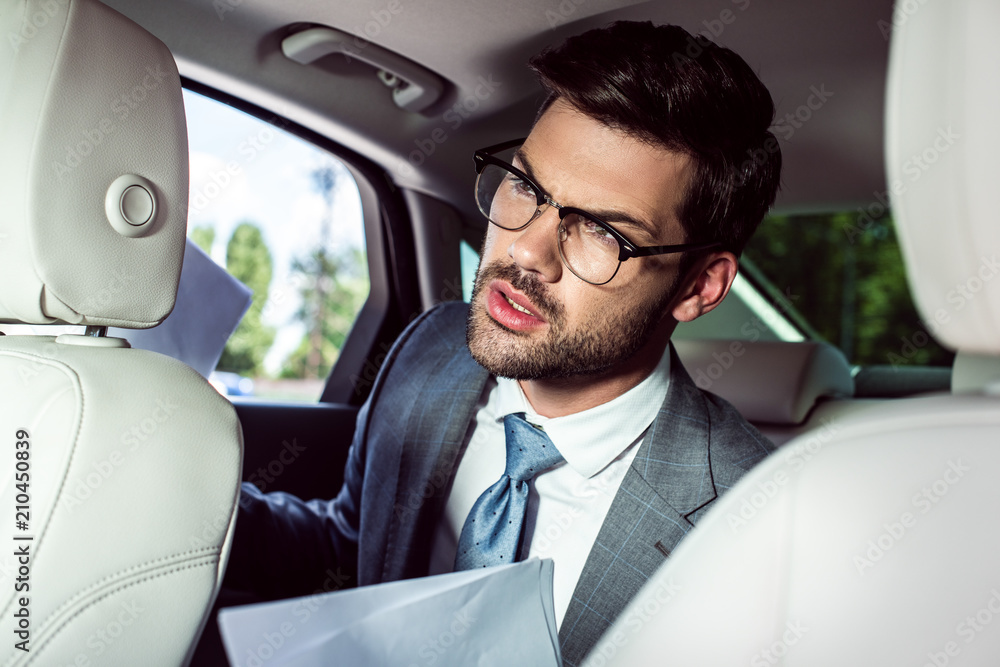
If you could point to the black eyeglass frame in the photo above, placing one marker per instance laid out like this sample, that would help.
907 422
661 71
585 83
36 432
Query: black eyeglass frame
626 249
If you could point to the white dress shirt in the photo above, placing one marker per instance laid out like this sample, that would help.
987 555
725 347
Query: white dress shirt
568 503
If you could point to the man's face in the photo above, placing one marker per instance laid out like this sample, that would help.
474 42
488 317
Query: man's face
573 327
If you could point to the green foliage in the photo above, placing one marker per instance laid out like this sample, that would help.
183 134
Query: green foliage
249 261
204 237
848 281
334 287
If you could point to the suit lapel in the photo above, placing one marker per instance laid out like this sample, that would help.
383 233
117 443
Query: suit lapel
669 481
434 434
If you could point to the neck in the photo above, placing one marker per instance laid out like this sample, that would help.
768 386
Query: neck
558 397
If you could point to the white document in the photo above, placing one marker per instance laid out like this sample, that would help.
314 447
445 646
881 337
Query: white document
493 616
210 304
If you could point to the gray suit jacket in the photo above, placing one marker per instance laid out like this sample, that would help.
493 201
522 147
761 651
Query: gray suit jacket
405 452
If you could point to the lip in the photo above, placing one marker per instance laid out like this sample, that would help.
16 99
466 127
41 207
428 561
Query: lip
508 316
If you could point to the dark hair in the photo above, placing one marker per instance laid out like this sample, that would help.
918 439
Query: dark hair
687 94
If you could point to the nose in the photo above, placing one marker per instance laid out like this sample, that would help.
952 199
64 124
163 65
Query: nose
534 248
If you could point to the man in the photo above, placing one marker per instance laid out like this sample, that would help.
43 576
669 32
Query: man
620 215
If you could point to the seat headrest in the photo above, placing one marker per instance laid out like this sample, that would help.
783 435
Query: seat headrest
768 382
975 373
942 142
94 168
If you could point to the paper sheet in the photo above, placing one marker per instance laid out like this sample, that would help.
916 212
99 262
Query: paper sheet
494 616
210 304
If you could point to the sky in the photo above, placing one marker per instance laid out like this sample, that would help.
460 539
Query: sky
243 169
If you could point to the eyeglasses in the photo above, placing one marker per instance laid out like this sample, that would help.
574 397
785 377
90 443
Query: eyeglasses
589 247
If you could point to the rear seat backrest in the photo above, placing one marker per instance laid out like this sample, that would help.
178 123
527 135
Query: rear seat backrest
770 383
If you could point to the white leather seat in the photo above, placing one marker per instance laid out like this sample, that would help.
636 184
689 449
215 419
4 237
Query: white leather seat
876 545
123 464
769 382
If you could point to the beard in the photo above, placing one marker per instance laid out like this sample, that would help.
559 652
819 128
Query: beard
601 341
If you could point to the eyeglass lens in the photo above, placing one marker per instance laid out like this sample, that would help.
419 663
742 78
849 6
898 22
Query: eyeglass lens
510 202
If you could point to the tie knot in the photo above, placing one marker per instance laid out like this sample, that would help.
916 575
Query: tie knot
529 449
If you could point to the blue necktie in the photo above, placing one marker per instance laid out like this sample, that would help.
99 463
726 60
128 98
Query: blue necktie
493 530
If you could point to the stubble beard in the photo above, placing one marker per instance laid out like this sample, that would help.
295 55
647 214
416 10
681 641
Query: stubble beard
602 341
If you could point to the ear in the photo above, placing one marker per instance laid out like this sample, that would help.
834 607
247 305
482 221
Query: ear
705 286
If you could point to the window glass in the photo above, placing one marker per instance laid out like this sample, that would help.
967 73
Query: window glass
469 258
843 275
284 217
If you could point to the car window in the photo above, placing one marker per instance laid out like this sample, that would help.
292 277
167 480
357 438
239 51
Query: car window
284 217
469 258
840 276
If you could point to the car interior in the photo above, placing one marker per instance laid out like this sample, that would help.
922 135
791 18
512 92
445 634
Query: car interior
360 121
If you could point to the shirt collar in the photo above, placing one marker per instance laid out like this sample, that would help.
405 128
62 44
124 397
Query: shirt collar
591 439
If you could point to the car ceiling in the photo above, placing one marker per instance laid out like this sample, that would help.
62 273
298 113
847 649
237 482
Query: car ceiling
833 160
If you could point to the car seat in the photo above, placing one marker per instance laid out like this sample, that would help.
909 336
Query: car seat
119 467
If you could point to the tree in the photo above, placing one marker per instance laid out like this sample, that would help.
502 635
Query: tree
248 259
203 237
334 286
324 180
850 284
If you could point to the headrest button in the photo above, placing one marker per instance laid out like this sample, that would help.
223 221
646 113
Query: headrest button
130 205
137 205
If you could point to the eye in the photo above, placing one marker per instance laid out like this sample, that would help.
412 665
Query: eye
592 231
518 186
594 228
598 231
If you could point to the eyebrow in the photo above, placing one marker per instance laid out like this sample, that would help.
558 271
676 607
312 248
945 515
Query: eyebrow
614 216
